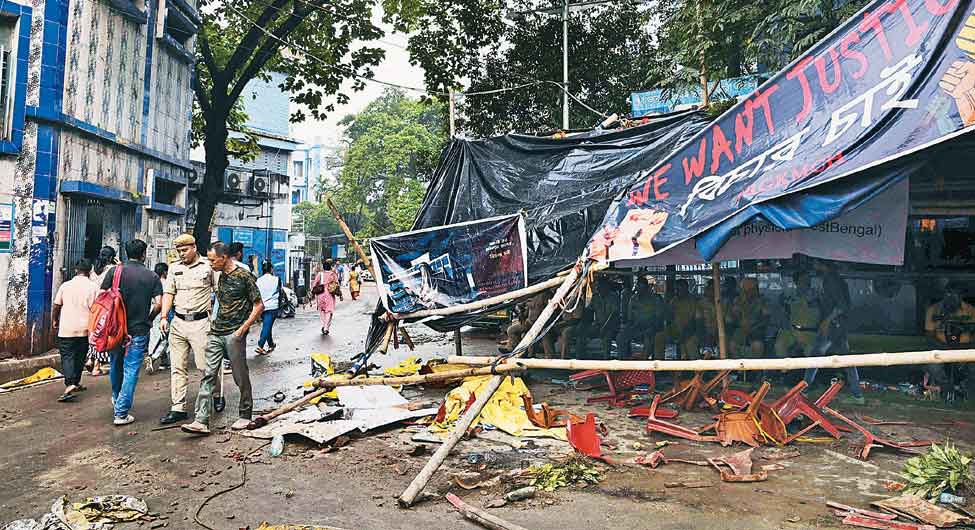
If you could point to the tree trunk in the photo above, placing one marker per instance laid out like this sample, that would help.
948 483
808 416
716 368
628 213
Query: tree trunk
215 146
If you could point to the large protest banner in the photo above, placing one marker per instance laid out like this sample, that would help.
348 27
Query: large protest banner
894 79
872 233
451 265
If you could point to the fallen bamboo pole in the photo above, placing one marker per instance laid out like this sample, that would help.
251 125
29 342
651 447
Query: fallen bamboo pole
481 304
325 385
436 377
480 516
264 419
351 237
788 363
465 421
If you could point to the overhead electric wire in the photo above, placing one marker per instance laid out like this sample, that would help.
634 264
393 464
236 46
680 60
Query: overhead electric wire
404 87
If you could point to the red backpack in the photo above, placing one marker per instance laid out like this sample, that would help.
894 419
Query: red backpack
107 326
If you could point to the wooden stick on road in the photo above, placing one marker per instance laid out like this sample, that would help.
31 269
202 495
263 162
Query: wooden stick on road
465 421
480 516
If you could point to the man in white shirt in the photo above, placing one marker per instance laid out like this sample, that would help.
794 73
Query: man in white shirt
270 287
69 317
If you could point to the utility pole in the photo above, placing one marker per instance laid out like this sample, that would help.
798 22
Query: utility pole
565 65
453 112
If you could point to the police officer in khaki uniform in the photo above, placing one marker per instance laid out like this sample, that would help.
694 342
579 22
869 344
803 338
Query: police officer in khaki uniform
189 291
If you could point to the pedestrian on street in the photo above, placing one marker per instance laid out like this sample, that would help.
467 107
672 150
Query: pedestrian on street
340 269
162 271
69 317
237 253
139 286
831 337
271 293
97 361
188 291
236 250
322 288
240 307
354 281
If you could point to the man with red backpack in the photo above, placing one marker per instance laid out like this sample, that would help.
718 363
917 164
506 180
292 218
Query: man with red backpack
138 287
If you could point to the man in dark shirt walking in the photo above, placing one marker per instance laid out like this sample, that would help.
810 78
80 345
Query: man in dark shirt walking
139 287
831 336
239 307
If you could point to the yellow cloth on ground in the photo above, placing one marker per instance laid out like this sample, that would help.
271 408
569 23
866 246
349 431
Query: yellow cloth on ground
505 410
410 366
41 375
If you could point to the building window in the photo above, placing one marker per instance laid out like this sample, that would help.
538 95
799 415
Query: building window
299 169
8 60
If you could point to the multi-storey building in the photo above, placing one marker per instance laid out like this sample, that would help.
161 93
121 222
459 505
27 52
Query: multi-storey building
95 112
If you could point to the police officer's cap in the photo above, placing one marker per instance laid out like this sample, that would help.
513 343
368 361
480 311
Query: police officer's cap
183 240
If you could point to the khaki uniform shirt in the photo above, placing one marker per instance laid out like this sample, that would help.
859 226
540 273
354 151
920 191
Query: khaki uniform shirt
191 286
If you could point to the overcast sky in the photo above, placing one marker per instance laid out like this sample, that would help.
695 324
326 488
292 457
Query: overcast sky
395 68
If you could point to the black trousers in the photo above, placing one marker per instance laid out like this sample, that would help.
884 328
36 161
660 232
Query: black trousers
73 351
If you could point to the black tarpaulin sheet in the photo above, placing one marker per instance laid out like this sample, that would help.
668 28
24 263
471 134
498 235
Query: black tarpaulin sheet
564 187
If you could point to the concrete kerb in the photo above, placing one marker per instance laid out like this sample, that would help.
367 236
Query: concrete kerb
17 368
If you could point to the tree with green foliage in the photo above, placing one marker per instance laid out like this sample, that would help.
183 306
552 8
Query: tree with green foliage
394 147
620 47
317 218
241 41
611 52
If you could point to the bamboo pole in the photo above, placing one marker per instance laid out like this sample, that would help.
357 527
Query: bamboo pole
788 363
264 419
351 237
718 310
465 421
325 386
481 304
435 377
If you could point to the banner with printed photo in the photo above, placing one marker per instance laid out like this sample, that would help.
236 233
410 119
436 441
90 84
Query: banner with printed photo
896 78
874 232
451 265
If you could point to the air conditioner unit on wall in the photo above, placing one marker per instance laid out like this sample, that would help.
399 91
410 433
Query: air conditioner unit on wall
233 182
261 185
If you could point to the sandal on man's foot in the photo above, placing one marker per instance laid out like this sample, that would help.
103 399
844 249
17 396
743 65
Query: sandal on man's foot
67 397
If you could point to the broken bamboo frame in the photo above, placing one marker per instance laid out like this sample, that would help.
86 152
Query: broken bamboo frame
264 419
418 379
325 386
718 309
480 516
352 239
481 304
465 421
788 363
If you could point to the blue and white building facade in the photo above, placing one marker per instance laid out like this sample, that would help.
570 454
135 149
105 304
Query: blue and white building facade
95 113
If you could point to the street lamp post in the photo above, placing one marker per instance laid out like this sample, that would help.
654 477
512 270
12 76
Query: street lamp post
565 65
567 6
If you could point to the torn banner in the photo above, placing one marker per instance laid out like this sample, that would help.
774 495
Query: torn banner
451 265
894 79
